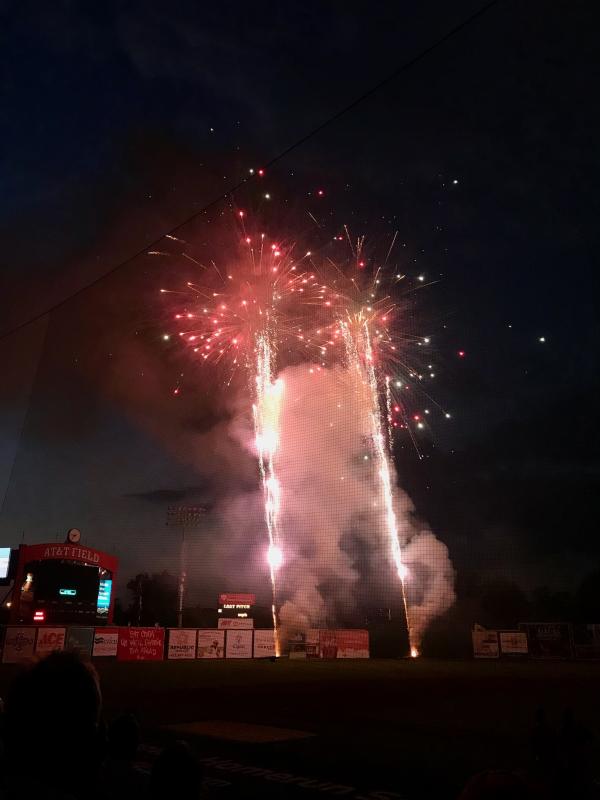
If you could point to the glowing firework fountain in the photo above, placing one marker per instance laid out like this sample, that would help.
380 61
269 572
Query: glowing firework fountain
359 353
239 316
266 425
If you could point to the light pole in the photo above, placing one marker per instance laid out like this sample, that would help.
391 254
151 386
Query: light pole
184 517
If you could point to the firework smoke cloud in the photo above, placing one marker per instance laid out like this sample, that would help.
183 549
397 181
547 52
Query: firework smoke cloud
331 493
337 523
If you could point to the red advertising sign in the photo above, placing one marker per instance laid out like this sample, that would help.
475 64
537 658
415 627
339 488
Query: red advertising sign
328 644
69 552
141 644
352 643
237 599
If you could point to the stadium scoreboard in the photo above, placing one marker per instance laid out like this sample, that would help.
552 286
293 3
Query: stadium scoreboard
240 606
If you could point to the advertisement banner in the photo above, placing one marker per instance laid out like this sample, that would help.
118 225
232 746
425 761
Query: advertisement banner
19 644
235 623
551 640
182 643
106 641
352 643
49 640
264 643
141 644
238 644
513 643
232 599
586 639
80 641
297 646
312 643
211 644
485 644
328 644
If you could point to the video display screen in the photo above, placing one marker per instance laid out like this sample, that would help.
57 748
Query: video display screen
56 581
104 593
4 562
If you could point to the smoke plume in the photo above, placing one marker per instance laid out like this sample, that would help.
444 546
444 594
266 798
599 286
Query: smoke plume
331 520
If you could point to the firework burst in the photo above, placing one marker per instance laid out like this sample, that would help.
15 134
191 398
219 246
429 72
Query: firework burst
375 297
269 298
240 314
262 290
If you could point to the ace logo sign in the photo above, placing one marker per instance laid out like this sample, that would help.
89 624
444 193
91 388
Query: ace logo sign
50 640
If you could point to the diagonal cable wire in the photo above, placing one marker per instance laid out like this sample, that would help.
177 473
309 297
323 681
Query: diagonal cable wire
404 67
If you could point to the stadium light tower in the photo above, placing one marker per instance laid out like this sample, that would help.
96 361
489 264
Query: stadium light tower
186 518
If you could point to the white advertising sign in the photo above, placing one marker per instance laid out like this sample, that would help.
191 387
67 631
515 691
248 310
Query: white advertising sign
182 643
235 623
264 643
514 643
18 645
211 644
106 642
485 644
49 640
238 644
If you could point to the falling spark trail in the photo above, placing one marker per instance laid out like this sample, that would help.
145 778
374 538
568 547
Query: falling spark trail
360 354
189 258
350 241
388 412
313 219
266 424
391 248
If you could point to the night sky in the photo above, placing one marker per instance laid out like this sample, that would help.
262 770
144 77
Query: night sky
119 122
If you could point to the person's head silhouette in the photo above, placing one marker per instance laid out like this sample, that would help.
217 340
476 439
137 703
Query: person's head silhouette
52 714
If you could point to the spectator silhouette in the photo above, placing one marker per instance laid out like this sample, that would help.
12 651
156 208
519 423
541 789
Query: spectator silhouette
53 733
121 777
176 773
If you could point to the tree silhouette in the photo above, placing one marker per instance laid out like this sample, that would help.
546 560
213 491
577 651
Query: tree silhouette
154 599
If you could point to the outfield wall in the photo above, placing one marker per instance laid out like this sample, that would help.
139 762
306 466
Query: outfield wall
23 643
539 641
